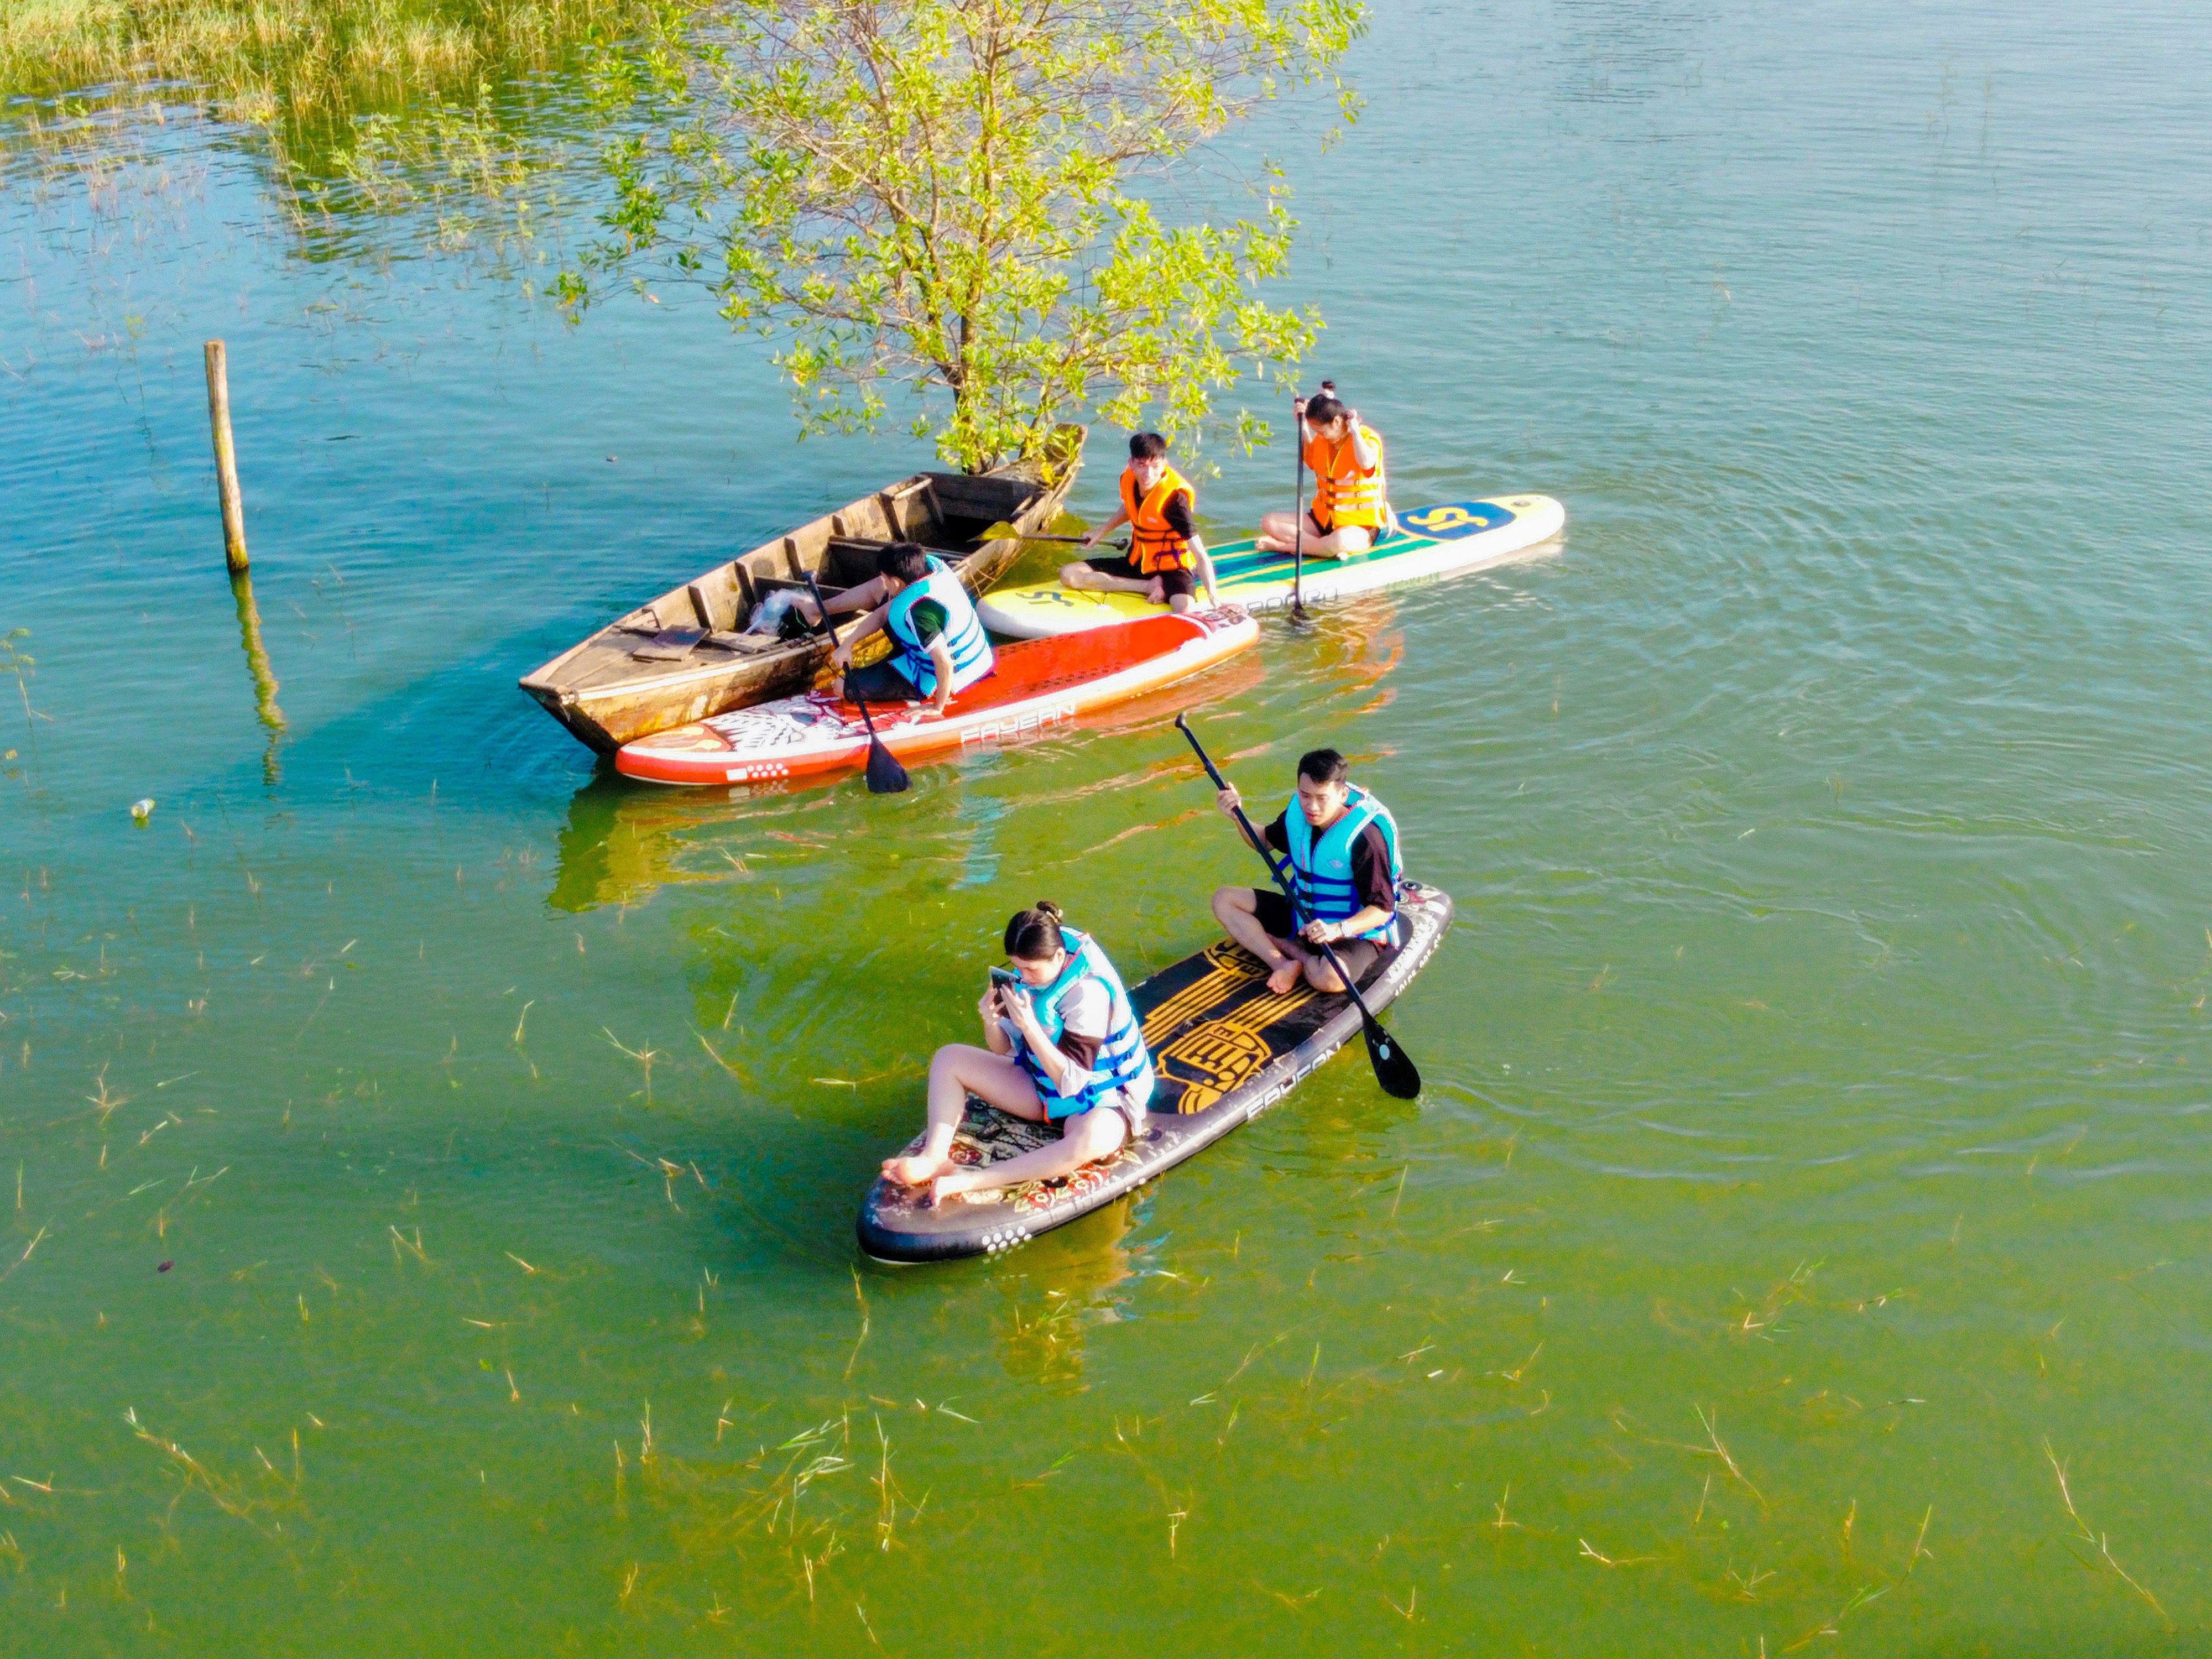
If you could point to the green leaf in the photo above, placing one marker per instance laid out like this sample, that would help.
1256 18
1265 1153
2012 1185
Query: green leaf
941 199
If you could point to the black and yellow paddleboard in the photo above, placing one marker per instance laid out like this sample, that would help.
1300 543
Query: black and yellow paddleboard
1226 1049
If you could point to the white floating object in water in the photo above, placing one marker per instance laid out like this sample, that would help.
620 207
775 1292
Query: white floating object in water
143 809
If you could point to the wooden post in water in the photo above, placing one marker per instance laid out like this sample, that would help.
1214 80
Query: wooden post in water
226 458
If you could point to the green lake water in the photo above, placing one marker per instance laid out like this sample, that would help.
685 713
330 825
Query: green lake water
427 1168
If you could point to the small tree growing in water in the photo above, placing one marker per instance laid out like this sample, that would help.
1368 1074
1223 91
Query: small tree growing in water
942 195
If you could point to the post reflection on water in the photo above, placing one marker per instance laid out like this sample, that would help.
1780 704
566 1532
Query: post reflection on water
257 663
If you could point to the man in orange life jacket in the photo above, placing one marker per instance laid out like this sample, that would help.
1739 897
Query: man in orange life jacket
1164 548
1351 510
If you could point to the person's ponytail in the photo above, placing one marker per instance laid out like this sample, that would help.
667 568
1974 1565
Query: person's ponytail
1033 935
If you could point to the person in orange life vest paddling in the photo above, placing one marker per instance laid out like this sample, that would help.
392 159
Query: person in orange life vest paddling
1062 1045
1165 547
1350 509
939 644
1338 846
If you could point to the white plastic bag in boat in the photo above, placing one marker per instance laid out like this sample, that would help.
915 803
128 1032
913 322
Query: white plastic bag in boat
768 614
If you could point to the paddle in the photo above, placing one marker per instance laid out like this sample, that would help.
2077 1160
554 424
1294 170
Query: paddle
884 774
1393 1070
1002 532
1297 531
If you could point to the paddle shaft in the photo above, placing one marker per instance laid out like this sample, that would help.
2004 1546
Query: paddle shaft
885 776
1260 846
821 622
1025 536
1298 530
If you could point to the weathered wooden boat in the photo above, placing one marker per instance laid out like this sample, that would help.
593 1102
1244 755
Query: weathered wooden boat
684 655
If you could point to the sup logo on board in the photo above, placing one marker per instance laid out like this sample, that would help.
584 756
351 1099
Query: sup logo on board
1455 520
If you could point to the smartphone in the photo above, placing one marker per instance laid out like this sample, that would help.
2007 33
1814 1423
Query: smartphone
1005 978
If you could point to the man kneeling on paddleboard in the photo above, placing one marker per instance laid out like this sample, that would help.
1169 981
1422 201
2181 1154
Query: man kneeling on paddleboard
940 646
1340 847
1062 1046
1351 510
1164 546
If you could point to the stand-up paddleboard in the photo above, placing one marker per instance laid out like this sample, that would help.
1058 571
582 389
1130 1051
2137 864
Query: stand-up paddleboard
1226 1049
1445 540
1034 687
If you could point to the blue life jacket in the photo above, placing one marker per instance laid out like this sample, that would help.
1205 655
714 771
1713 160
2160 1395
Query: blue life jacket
1321 870
962 636
1122 1061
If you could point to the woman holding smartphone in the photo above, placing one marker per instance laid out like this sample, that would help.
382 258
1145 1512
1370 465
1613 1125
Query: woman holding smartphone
1061 1046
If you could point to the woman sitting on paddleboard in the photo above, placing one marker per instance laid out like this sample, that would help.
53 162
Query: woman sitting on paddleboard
940 646
1351 510
1340 847
1063 1047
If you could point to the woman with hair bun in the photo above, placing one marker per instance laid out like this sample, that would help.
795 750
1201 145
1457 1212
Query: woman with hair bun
1061 1046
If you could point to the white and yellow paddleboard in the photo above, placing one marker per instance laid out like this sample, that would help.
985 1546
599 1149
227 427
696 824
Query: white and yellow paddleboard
1445 540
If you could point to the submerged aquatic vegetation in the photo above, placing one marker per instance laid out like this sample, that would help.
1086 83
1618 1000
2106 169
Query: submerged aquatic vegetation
264 59
457 114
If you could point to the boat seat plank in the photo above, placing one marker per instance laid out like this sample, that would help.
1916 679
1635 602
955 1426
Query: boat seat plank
669 645
784 584
745 645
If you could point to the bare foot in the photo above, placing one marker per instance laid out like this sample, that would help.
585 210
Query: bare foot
1283 978
953 1183
914 1171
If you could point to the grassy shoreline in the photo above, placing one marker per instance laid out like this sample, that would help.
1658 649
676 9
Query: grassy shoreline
294 60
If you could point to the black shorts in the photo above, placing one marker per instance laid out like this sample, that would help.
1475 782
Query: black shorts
1172 582
1276 917
1274 913
880 682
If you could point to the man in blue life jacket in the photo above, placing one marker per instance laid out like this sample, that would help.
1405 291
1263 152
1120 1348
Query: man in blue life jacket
938 643
1338 846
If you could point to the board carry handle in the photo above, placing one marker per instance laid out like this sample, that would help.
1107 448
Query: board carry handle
1394 1069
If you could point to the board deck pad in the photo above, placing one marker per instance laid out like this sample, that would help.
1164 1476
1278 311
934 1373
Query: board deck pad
1036 686
1226 1049
1440 540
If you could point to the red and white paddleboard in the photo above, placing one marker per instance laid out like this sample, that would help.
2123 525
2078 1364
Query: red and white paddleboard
1036 686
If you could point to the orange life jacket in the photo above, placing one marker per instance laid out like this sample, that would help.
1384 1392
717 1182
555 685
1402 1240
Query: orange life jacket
1343 493
1153 547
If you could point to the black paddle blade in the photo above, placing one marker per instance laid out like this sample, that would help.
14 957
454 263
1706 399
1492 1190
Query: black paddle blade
1396 1073
885 776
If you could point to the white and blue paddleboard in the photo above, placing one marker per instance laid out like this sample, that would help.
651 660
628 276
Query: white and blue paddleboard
1448 539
